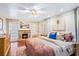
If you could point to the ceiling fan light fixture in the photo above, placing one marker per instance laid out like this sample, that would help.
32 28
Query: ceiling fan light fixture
34 13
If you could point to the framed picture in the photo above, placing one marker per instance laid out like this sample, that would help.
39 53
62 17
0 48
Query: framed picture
1 24
26 26
59 24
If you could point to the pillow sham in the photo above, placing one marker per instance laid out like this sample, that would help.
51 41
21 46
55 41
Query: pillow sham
52 35
68 37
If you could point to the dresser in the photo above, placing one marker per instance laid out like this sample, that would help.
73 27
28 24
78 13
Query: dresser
4 46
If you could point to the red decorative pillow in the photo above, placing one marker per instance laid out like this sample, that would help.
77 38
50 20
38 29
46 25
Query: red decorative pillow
68 37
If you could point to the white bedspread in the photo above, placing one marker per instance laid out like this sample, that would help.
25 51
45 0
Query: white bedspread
66 46
61 48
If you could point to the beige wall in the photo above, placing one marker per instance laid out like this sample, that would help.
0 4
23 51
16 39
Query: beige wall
34 28
41 28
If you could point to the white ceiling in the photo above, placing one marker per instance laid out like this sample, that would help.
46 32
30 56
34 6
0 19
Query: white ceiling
44 10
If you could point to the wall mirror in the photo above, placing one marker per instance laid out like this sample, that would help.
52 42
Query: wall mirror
1 24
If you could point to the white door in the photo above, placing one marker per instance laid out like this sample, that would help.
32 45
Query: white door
13 31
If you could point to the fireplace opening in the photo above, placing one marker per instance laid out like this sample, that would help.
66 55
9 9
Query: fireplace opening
24 36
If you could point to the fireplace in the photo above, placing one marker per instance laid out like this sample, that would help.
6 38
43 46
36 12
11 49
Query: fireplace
24 33
24 36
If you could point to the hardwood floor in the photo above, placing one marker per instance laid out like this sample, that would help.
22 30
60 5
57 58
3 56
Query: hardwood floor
13 48
15 45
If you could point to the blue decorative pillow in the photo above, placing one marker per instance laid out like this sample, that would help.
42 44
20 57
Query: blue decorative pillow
52 35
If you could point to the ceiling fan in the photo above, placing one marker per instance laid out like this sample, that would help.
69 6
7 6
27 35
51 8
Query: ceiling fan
32 11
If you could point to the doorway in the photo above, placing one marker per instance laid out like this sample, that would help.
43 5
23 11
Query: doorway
13 30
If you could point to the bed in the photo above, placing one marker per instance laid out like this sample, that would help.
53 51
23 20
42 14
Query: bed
43 46
67 47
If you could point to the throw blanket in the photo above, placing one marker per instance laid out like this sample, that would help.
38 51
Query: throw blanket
35 47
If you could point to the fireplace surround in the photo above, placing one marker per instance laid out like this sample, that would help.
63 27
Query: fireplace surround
24 33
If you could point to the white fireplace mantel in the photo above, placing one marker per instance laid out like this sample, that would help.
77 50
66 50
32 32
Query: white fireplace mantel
24 31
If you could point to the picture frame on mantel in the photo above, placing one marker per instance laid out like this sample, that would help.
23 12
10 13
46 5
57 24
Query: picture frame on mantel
26 26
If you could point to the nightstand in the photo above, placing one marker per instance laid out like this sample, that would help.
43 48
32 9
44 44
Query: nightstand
77 49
